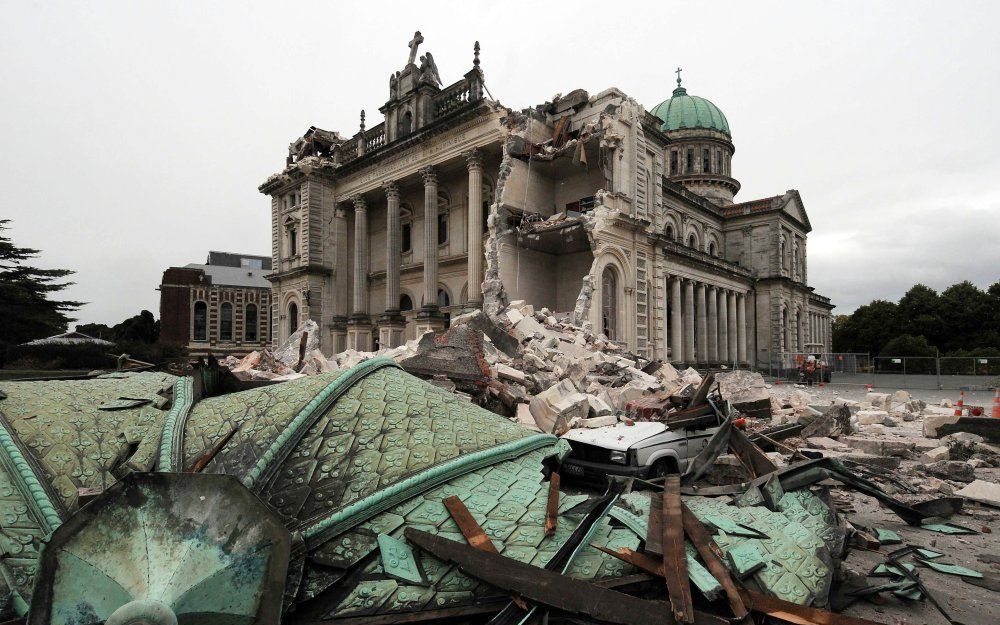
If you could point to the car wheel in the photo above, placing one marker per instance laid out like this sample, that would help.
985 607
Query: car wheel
662 468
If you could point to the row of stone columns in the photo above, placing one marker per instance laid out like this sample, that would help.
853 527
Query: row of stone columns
391 323
819 330
707 323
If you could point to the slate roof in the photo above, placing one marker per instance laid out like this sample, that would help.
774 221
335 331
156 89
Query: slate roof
234 276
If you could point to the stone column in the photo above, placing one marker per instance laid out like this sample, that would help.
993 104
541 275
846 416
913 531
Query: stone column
429 318
741 327
676 352
359 331
713 325
688 322
474 162
723 326
391 325
733 335
342 280
702 354
799 334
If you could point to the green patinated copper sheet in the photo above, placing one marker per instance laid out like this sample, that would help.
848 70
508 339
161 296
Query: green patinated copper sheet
74 441
261 414
508 500
386 428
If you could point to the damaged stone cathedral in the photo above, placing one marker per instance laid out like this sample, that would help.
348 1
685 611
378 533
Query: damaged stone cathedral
588 205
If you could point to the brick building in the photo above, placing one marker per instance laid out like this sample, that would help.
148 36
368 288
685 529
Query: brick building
221 307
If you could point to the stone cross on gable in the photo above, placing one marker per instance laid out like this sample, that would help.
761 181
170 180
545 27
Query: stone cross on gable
414 43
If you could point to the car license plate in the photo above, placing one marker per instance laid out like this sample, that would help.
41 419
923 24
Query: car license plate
572 469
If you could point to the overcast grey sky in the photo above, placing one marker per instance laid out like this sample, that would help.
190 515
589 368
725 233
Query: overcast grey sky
134 134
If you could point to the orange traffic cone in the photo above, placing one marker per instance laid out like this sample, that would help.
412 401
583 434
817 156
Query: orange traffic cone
961 402
996 405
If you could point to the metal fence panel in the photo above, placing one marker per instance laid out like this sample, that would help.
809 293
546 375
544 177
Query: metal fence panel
980 373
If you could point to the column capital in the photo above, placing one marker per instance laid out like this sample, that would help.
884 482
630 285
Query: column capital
429 175
340 213
360 204
473 160
391 189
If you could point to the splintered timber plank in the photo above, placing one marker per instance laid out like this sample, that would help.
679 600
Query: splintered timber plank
698 574
800 614
654 527
712 556
469 527
552 505
752 456
474 533
674 557
548 587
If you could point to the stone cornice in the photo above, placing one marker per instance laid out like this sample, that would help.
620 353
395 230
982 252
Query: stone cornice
299 271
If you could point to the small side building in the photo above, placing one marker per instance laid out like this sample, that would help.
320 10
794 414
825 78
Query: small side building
221 307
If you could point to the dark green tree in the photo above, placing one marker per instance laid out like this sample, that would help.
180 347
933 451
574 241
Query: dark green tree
867 329
920 313
26 310
966 312
908 345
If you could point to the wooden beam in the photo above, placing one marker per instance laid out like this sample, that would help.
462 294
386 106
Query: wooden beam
711 555
674 557
552 505
469 527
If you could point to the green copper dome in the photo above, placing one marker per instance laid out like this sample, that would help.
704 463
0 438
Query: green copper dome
682 111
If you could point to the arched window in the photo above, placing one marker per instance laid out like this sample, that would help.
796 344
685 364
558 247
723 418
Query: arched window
406 123
250 323
293 240
405 303
669 232
200 321
692 241
293 318
711 248
443 302
226 322
609 303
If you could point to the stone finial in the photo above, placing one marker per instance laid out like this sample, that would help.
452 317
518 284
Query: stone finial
475 55
362 121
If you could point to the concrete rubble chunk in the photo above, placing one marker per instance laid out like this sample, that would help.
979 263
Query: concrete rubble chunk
555 409
879 401
935 455
598 407
288 353
878 446
597 422
822 442
505 372
982 491
870 417
953 470
746 391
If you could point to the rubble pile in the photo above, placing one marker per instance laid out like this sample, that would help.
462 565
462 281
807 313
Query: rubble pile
884 469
